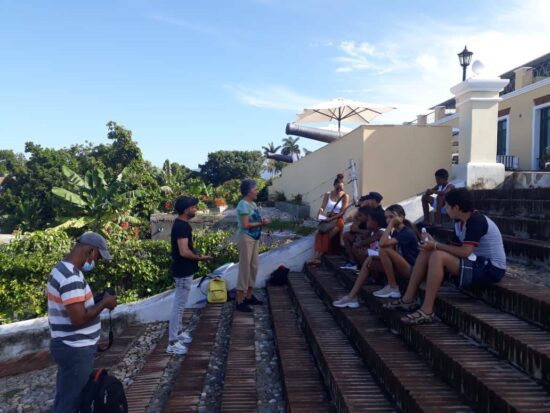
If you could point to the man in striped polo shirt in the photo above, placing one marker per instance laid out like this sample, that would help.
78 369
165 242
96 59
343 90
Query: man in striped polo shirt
74 319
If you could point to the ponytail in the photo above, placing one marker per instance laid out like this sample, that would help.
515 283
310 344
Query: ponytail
398 210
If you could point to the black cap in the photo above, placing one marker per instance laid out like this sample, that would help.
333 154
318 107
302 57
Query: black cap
184 202
93 239
372 195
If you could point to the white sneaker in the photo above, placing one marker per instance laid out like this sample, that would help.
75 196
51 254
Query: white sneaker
349 266
387 292
176 348
184 337
346 301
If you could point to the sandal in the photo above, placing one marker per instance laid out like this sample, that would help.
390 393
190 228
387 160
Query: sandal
399 305
418 317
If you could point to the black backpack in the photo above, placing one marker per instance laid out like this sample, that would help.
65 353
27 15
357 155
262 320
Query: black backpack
103 394
279 276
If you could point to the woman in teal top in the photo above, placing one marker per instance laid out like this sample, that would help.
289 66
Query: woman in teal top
250 225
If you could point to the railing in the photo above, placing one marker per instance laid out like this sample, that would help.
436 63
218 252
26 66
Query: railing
511 163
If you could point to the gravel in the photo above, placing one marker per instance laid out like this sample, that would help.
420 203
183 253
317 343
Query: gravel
35 391
534 272
171 371
268 380
211 397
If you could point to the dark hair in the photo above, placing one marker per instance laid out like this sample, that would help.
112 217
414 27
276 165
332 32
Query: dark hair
442 173
247 185
339 178
461 197
398 210
377 214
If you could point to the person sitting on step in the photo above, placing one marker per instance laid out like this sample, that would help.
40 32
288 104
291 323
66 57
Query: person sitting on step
476 257
368 244
399 234
358 229
438 202
334 206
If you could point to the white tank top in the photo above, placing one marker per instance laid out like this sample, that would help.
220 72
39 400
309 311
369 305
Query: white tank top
332 208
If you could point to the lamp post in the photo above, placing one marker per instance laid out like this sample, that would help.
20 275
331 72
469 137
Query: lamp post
465 57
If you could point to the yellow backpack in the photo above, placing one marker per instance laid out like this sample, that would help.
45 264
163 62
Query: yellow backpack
217 291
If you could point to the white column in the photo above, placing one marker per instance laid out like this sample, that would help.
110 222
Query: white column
477 106
421 120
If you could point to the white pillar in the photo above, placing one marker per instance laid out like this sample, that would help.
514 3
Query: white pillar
439 112
421 120
477 106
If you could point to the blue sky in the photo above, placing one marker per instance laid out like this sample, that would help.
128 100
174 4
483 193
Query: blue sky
190 78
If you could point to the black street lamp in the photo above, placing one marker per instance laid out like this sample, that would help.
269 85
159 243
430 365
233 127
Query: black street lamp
465 57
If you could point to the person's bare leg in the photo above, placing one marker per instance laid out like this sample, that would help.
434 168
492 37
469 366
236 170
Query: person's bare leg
349 238
363 276
359 255
240 296
426 201
418 275
440 203
394 263
439 262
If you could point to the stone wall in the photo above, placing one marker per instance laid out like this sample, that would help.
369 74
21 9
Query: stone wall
161 224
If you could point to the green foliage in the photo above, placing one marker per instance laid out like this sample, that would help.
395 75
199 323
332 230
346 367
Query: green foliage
24 267
290 146
140 268
223 166
293 226
97 201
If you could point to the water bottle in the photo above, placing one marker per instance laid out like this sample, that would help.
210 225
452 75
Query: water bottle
424 237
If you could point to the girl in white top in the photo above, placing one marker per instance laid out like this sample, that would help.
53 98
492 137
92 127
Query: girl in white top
334 206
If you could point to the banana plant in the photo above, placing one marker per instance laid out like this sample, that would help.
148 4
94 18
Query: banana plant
99 202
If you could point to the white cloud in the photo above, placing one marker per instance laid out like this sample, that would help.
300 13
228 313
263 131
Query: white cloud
364 56
427 67
271 97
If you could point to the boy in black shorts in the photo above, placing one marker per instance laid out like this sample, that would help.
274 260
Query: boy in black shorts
477 257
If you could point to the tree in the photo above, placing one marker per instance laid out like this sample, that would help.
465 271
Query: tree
98 201
120 153
222 166
270 148
290 145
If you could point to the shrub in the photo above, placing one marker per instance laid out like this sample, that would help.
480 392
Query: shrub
139 269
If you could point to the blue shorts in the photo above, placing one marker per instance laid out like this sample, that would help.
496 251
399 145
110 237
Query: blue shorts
480 271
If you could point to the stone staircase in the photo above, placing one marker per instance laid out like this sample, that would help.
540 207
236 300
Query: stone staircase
488 351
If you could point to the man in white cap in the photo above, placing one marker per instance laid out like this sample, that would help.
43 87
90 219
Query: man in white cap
74 319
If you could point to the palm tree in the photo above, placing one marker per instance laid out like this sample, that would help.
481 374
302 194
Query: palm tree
270 148
290 145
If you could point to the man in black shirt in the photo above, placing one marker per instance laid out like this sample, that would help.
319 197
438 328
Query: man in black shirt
185 264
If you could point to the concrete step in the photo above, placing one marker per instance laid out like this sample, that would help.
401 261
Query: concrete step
492 384
408 378
351 385
302 380
532 193
528 208
538 250
521 343
523 228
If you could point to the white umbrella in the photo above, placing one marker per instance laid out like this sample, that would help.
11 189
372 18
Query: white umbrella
341 109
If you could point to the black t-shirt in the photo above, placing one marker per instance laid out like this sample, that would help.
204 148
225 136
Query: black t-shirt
407 245
181 266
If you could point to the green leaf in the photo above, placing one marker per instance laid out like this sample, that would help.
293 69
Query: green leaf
74 178
69 196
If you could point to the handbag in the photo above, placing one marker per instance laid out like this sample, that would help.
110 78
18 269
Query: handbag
324 226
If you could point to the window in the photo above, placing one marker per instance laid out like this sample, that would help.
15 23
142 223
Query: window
544 139
502 136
